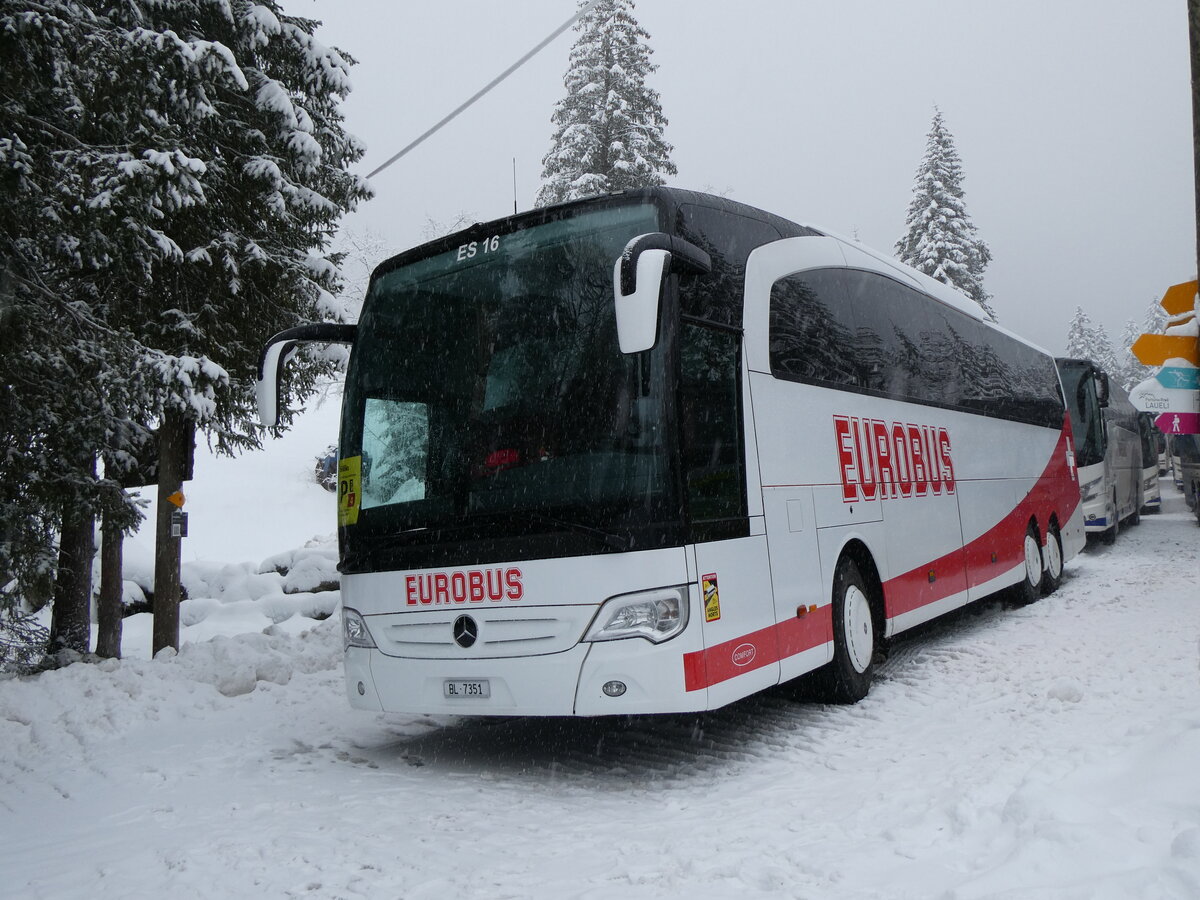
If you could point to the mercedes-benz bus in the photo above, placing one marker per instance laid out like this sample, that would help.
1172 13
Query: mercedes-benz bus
1108 449
656 451
1151 439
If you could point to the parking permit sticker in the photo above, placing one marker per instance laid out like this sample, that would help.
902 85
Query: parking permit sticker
349 489
712 600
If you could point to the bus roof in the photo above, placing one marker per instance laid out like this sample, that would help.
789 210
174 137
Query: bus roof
672 198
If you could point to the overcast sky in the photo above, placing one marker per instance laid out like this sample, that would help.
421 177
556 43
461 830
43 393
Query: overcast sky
1072 119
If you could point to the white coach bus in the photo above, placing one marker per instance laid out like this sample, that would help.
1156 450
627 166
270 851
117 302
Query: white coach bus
1108 451
1150 437
657 451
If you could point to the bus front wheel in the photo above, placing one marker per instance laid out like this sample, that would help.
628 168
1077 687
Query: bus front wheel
1110 536
847 679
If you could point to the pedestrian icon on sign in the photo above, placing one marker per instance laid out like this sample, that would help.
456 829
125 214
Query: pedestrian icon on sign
1175 425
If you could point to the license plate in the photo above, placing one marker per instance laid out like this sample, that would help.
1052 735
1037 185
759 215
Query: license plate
480 689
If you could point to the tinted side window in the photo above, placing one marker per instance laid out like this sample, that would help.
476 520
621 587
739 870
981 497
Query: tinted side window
1035 386
813 335
986 378
944 349
897 335
1012 380
864 331
728 238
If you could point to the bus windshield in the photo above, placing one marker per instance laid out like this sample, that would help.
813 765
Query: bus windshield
492 408
1087 422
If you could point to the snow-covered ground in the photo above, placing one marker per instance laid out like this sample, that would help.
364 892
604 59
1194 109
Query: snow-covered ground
1047 752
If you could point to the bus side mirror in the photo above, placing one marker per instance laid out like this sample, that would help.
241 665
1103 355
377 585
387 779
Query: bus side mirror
279 350
638 277
1102 389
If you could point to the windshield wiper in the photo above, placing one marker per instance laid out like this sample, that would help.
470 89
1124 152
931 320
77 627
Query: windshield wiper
608 538
472 521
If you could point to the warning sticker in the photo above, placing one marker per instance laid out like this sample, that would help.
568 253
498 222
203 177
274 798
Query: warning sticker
349 489
712 599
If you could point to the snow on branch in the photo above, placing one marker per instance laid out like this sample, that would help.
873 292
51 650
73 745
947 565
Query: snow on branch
188 383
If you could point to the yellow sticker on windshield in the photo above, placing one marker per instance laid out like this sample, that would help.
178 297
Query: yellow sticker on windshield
349 489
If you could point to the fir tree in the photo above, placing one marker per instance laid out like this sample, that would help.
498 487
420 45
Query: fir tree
1129 369
608 129
1079 335
940 239
1086 340
173 171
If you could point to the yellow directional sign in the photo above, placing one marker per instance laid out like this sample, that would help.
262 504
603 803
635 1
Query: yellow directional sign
178 499
1156 349
1179 299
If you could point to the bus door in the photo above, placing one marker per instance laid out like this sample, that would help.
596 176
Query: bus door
728 537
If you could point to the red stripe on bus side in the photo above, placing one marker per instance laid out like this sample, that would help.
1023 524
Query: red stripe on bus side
1055 490
704 668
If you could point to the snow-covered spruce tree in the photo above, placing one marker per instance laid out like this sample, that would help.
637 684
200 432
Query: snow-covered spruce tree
265 142
940 240
1086 340
1129 369
608 129
181 199
67 375
251 259
1079 335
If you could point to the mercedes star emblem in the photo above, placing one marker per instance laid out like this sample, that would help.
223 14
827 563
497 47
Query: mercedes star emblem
465 631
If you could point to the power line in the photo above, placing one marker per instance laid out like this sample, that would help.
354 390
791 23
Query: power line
491 84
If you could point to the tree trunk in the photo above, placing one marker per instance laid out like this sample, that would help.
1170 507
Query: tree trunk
110 607
175 435
71 616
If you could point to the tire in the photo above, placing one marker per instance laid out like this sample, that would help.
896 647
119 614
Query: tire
1030 586
1110 536
847 678
1053 556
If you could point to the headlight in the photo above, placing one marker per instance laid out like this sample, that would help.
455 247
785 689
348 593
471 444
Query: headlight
1092 488
656 615
354 631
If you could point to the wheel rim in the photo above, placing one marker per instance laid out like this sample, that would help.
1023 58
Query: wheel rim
858 628
1054 562
1033 560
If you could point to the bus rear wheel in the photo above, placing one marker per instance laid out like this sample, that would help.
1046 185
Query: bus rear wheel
847 678
1052 577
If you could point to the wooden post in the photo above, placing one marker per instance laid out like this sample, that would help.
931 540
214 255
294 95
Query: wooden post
1194 44
175 436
